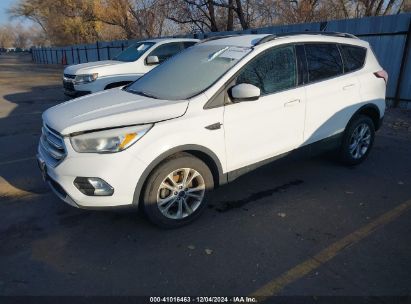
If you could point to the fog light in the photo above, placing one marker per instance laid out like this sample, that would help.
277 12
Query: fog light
93 186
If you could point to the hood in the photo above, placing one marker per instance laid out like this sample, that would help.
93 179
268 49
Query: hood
89 67
109 109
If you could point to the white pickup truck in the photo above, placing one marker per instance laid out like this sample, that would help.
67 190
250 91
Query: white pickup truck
126 67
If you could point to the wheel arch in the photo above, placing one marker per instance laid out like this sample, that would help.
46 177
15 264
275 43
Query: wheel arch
372 111
201 152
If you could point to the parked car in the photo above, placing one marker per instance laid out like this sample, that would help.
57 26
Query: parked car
129 65
209 114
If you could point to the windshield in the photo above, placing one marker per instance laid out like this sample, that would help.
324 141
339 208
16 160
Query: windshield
188 73
134 52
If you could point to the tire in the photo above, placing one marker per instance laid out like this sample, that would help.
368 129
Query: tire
358 140
167 201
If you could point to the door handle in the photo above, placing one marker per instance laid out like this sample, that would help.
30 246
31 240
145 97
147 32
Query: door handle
292 103
214 126
348 86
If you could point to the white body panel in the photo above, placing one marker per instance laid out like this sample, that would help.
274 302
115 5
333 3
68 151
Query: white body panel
123 170
330 104
250 132
260 129
114 107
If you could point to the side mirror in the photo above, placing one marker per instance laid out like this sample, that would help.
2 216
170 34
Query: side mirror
245 92
152 60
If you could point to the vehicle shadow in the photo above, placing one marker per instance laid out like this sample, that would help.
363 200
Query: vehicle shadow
23 98
43 94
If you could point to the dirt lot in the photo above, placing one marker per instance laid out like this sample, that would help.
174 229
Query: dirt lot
301 227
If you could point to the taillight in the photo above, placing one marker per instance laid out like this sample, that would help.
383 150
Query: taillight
382 74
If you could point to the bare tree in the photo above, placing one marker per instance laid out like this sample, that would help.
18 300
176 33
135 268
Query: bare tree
21 37
365 8
150 16
240 8
66 22
6 37
406 6
200 14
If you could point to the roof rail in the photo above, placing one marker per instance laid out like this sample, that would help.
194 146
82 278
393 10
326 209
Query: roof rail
266 39
275 36
216 38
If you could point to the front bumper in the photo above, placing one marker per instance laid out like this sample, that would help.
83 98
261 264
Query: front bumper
70 90
55 187
121 170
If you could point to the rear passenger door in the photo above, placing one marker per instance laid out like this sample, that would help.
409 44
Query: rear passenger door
332 96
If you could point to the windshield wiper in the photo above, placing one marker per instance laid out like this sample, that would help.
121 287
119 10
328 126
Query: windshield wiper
142 93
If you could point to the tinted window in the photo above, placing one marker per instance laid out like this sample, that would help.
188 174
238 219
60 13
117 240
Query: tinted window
273 71
324 61
353 56
165 51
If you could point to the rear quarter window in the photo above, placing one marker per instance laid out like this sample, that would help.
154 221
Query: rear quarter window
353 56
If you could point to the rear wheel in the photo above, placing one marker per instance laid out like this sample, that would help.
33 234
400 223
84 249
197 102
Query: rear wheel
358 140
176 191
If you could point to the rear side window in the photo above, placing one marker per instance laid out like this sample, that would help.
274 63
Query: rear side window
273 71
323 60
353 56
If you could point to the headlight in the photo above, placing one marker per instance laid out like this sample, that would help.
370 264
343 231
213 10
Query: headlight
86 78
108 141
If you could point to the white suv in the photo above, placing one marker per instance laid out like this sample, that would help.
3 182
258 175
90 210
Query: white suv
209 114
126 67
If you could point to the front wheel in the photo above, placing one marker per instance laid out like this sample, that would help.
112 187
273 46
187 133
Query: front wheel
176 191
358 140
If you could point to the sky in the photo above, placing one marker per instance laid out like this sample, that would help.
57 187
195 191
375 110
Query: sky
4 17
4 5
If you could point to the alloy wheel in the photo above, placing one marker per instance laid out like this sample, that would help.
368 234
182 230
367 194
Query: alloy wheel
180 193
360 141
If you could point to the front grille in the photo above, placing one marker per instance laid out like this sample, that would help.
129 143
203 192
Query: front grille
69 76
51 147
68 82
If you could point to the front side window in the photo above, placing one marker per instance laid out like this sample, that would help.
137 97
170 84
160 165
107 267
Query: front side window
273 71
323 60
134 52
189 72
354 57
165 51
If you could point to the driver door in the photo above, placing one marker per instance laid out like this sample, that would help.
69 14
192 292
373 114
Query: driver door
274 123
